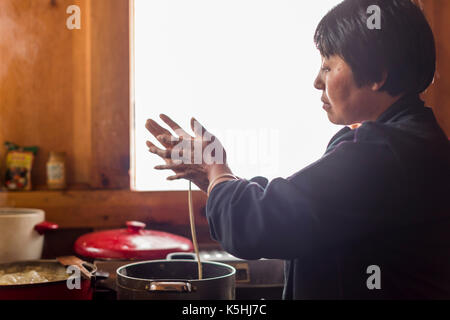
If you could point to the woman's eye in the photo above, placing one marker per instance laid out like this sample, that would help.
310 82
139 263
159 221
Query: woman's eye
325 69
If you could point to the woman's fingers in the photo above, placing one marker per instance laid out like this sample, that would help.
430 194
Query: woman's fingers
175 127
168 141
159 132
175 165
165 154
155 128
198 129
178 176
166 167
189 175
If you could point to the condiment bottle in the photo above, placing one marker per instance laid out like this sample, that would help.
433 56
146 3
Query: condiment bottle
56 171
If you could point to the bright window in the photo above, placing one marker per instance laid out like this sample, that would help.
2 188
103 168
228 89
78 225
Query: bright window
244 68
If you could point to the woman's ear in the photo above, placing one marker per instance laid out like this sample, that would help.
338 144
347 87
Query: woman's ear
376 86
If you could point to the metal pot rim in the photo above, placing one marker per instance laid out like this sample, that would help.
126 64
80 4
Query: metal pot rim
231 268
19 212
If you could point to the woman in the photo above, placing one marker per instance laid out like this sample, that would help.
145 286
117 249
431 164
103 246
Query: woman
370 219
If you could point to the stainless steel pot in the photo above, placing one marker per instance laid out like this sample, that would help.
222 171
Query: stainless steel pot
267 273
175 280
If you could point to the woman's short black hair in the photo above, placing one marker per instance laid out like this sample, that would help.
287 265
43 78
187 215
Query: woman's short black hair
403 47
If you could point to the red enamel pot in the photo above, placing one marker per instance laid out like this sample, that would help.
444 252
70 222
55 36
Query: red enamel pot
131 243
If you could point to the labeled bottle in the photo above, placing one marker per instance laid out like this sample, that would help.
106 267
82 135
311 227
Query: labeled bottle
56 171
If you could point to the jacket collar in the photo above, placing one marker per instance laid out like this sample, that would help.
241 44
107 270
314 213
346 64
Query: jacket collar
400 107
396 110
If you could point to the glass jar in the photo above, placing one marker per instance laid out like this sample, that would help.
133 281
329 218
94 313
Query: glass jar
56 171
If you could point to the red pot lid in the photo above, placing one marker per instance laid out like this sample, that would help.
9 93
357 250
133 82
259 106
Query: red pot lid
133 243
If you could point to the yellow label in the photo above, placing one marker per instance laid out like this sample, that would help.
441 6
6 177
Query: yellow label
19 160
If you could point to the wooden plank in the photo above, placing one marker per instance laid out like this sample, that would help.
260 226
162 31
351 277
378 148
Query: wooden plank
110 209
110 74
79 169
438 95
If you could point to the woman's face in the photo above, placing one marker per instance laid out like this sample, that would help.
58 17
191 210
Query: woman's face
344 102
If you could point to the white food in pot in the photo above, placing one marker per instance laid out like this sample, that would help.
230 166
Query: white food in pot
22 278
30 275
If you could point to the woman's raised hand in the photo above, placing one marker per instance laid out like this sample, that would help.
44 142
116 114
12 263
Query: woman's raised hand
196 158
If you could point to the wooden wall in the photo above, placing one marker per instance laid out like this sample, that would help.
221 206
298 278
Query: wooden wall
68 90
110 93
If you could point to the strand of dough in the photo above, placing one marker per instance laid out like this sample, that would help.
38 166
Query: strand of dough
194 236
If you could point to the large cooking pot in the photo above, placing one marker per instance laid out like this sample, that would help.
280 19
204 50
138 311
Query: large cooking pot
51 290
131 243
22 234
175 280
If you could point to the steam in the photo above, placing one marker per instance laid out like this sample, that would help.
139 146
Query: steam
17 44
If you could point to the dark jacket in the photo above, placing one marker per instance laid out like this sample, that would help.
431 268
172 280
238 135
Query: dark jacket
379 196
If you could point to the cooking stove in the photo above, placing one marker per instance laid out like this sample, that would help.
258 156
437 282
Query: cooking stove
255 279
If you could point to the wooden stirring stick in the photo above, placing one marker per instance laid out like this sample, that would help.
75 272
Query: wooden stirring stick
74 261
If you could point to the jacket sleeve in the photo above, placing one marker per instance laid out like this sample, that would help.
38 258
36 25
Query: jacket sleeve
333 201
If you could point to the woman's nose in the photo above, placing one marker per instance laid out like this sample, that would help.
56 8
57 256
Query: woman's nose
318 83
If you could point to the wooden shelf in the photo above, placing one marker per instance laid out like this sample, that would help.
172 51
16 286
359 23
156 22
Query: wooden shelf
109 208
